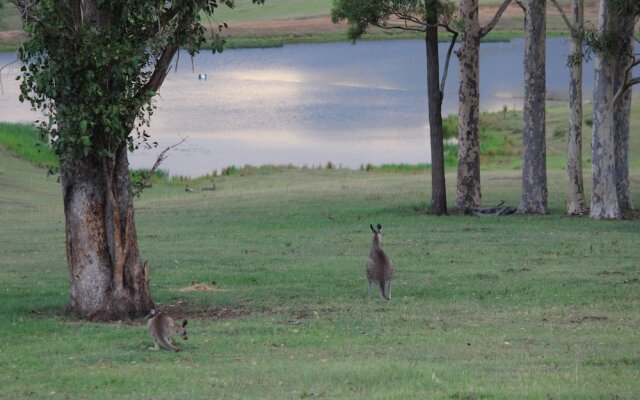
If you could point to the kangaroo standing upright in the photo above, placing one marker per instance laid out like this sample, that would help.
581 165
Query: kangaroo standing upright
379 266
162 327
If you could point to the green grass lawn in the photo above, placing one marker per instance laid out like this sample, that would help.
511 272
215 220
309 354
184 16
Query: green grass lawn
543 307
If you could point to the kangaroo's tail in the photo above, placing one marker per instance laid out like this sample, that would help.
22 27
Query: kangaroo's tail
382 290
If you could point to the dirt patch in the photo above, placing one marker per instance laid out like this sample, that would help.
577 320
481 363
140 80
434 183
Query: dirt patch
202 287
578 319
605 272
183 310
10 36
513 270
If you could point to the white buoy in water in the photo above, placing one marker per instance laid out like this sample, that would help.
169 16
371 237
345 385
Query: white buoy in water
202 77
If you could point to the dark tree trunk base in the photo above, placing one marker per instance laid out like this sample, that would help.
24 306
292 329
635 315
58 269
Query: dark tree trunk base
108 280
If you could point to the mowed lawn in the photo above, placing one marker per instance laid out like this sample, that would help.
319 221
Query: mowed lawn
269 271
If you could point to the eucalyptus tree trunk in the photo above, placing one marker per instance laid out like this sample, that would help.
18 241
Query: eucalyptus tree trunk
95 90
438 187
108 279
622 113
575 192
534 170
468 184
604 198
468 193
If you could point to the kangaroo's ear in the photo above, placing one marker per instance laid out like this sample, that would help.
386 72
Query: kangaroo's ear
379 227
372 228
184 323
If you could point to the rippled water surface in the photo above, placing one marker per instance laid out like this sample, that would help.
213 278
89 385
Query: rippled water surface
310 104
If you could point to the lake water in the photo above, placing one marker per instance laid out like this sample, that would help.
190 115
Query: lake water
313 103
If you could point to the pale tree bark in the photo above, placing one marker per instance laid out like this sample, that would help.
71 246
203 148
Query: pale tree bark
438 188
468 193
575 189
622 111
534 170
604 198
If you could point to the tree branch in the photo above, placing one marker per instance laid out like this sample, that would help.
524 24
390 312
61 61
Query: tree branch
400 27
161 157
626 81
633 81
160 71
566 20
487 28
446 63
518 2
24 7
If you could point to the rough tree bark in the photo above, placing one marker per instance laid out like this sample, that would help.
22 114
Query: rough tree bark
534 170
575 188
575 199
468 192
108 279
604 198
438 188
622 112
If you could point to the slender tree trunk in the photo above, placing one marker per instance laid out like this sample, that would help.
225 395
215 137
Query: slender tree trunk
534 169
438 188
575 195
622 114
108 280
604 199
468 183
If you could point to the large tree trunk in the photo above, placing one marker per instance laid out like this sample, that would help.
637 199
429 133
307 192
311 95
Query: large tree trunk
108 280
534 169
604 199
438 188
468 183
575 195
622 113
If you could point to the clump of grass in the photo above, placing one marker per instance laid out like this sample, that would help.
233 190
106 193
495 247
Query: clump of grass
143 172
450 161
559 132
450 127
249 170
396 168
24 141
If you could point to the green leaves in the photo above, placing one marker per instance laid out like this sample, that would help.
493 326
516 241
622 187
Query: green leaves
409 15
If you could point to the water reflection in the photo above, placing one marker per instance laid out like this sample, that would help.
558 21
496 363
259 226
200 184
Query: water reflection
309 104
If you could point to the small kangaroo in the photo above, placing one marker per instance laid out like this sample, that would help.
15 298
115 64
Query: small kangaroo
380 268
162 327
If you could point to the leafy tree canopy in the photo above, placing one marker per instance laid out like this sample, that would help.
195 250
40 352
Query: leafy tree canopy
408 15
